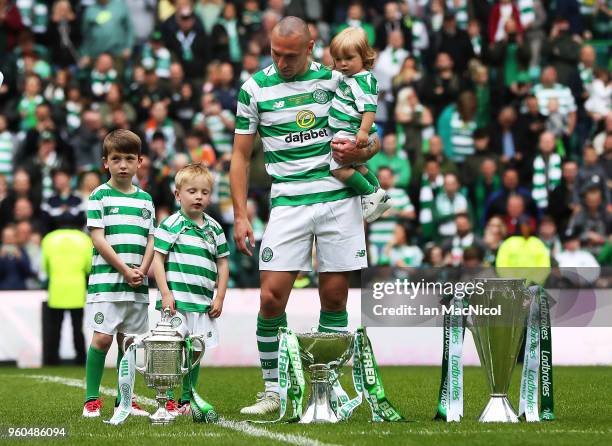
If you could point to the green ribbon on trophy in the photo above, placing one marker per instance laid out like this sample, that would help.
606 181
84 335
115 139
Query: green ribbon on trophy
127 376
537 376
450 397
201 410
367 382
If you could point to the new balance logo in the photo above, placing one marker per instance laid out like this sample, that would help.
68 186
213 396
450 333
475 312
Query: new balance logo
279 104
360 253
114 211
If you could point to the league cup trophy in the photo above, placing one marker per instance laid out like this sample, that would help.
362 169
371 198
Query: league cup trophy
165 355
498 339
322 354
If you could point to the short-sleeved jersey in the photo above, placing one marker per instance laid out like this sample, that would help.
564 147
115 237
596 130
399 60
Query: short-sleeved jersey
354 96
127 220
191 253
561 93
291 116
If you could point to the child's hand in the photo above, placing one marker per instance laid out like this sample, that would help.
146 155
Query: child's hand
134 277
168 302
216 308
362 140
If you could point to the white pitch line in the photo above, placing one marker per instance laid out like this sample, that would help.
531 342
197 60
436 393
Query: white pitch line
239 426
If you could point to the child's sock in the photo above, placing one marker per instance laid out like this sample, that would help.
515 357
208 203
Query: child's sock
372 178
359 184
94 368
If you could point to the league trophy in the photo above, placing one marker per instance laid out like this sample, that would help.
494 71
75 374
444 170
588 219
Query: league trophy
498 340
322 355
165 355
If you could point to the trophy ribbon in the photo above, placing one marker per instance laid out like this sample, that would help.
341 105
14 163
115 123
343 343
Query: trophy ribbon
127 375
367 381
450 398
537 375
201 410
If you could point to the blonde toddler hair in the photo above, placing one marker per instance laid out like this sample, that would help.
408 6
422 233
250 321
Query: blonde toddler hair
191 171
353 39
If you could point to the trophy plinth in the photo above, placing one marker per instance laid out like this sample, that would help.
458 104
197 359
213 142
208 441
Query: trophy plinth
323 353
498 340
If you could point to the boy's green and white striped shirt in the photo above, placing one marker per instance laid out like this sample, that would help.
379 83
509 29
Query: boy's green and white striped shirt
291 117
191 254
128 220
354 96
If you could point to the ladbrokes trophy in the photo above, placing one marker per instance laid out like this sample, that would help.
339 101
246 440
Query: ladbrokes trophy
498 340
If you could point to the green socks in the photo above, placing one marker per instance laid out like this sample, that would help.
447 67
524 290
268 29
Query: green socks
360 184
267 345
94 367
372 179
333 321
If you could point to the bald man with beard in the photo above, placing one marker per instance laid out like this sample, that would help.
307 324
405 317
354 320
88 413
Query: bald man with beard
287 103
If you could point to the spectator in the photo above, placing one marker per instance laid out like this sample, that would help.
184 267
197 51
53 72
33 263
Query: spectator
156 55
10 25
449 202
400 252
562 51
592 173
546 170
456 126
160 122
14 262
106 28
228 36
22 188
8 149
144 13
547 232
402 211
87 141
29 101
64 207
184 105
464 238
484 186
503 13
63 34
29 240
226 91
393 158
187 42
442 87
577 265
496 204
516 214
494 235
431 185
436 151
482 151
113 102
456 43
593 221
530 124
414 119
564 199
392 21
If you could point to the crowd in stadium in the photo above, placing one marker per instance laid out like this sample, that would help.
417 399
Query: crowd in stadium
494 119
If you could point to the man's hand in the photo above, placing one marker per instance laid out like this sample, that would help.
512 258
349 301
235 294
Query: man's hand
169 302
216 308
242 230
346 151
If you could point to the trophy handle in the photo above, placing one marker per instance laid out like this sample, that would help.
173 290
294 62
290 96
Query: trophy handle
141 370
196 363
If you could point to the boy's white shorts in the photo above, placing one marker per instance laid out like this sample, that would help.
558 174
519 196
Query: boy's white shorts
196 324
117 317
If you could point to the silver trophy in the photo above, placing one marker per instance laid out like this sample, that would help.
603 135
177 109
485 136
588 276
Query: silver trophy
498 340
165 356
322 355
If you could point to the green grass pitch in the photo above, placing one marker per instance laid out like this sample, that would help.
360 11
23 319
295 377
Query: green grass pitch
37 398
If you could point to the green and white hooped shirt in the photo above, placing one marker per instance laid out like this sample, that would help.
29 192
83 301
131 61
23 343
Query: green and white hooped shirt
291 117
192 252
128 220
354 96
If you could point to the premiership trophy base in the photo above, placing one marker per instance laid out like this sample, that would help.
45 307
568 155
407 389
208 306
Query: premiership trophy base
319 409
498 410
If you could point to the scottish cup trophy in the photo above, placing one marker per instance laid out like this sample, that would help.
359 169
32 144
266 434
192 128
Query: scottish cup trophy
322 356
165 357
498 339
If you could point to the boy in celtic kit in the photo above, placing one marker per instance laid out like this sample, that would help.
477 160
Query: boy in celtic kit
190 259
121 219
